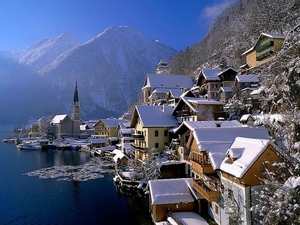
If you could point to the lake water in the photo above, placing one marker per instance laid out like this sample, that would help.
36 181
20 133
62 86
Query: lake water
63 187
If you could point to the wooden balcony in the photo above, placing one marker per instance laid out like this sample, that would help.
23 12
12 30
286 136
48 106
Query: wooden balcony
136 147
138 136
201 168
207 189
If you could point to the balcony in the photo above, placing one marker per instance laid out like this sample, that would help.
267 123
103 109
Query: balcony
207 189
138 136
201 168
136 147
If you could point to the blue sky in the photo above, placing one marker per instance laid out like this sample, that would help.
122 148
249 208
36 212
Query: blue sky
176 23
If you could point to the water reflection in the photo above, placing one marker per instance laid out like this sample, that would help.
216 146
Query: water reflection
93 169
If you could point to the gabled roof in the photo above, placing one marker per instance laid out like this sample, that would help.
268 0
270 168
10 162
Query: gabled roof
273 35
226 70
45 119
168 81
154 116
171 191
112 122
211 74
58 118
198 101
192 125
216 141
246 151
226 89
175 93
247 78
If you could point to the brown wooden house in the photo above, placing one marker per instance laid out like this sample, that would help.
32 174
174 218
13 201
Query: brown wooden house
198 109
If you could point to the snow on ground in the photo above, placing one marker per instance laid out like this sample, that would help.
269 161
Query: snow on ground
93 169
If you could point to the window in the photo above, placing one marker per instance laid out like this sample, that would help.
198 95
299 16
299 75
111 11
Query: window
230 193
165 133
156 133
156 145
216 209
222 188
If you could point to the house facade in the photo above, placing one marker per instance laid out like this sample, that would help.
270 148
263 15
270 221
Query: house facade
227 164
263 50
64 125
106 128
151 125
198 109
163 83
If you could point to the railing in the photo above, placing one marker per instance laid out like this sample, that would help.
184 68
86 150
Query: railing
138 136
207 189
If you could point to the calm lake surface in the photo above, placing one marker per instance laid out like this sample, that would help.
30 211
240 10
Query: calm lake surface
63 187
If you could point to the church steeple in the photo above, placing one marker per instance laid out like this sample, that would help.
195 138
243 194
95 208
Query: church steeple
76 99
75 111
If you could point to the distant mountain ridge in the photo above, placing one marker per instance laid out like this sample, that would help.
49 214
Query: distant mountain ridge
110 69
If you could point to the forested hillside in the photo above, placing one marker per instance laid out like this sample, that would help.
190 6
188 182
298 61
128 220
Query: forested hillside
235 31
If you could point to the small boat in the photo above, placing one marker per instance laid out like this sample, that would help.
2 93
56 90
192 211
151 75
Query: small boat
29 146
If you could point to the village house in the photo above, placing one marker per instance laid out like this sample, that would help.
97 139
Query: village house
183 132
156 86
107 128
245 84
44 122
198 109
125 137
151 124
208 83
263 50
174 201
64 125
211 149
162 67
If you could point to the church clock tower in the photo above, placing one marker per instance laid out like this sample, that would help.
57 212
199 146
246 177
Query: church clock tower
75 112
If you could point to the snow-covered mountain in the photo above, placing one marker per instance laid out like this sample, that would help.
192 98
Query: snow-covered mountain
43 52
110 70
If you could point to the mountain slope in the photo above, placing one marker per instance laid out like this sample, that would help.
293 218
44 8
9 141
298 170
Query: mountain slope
110 70
236 30
43 52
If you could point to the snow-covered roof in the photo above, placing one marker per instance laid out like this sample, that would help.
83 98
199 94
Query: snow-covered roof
273 35
112 122
98 140
258 91
246 151
45 119
190 218
247 78
192 125
245 117
118 155
216 141
224 71
58 118
155 116
176 93
171 191
226 89
211 74
168 81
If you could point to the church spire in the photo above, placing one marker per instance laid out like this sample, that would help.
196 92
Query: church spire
76 99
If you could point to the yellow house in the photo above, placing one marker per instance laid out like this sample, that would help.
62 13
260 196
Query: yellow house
264 49
151 124
106 128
